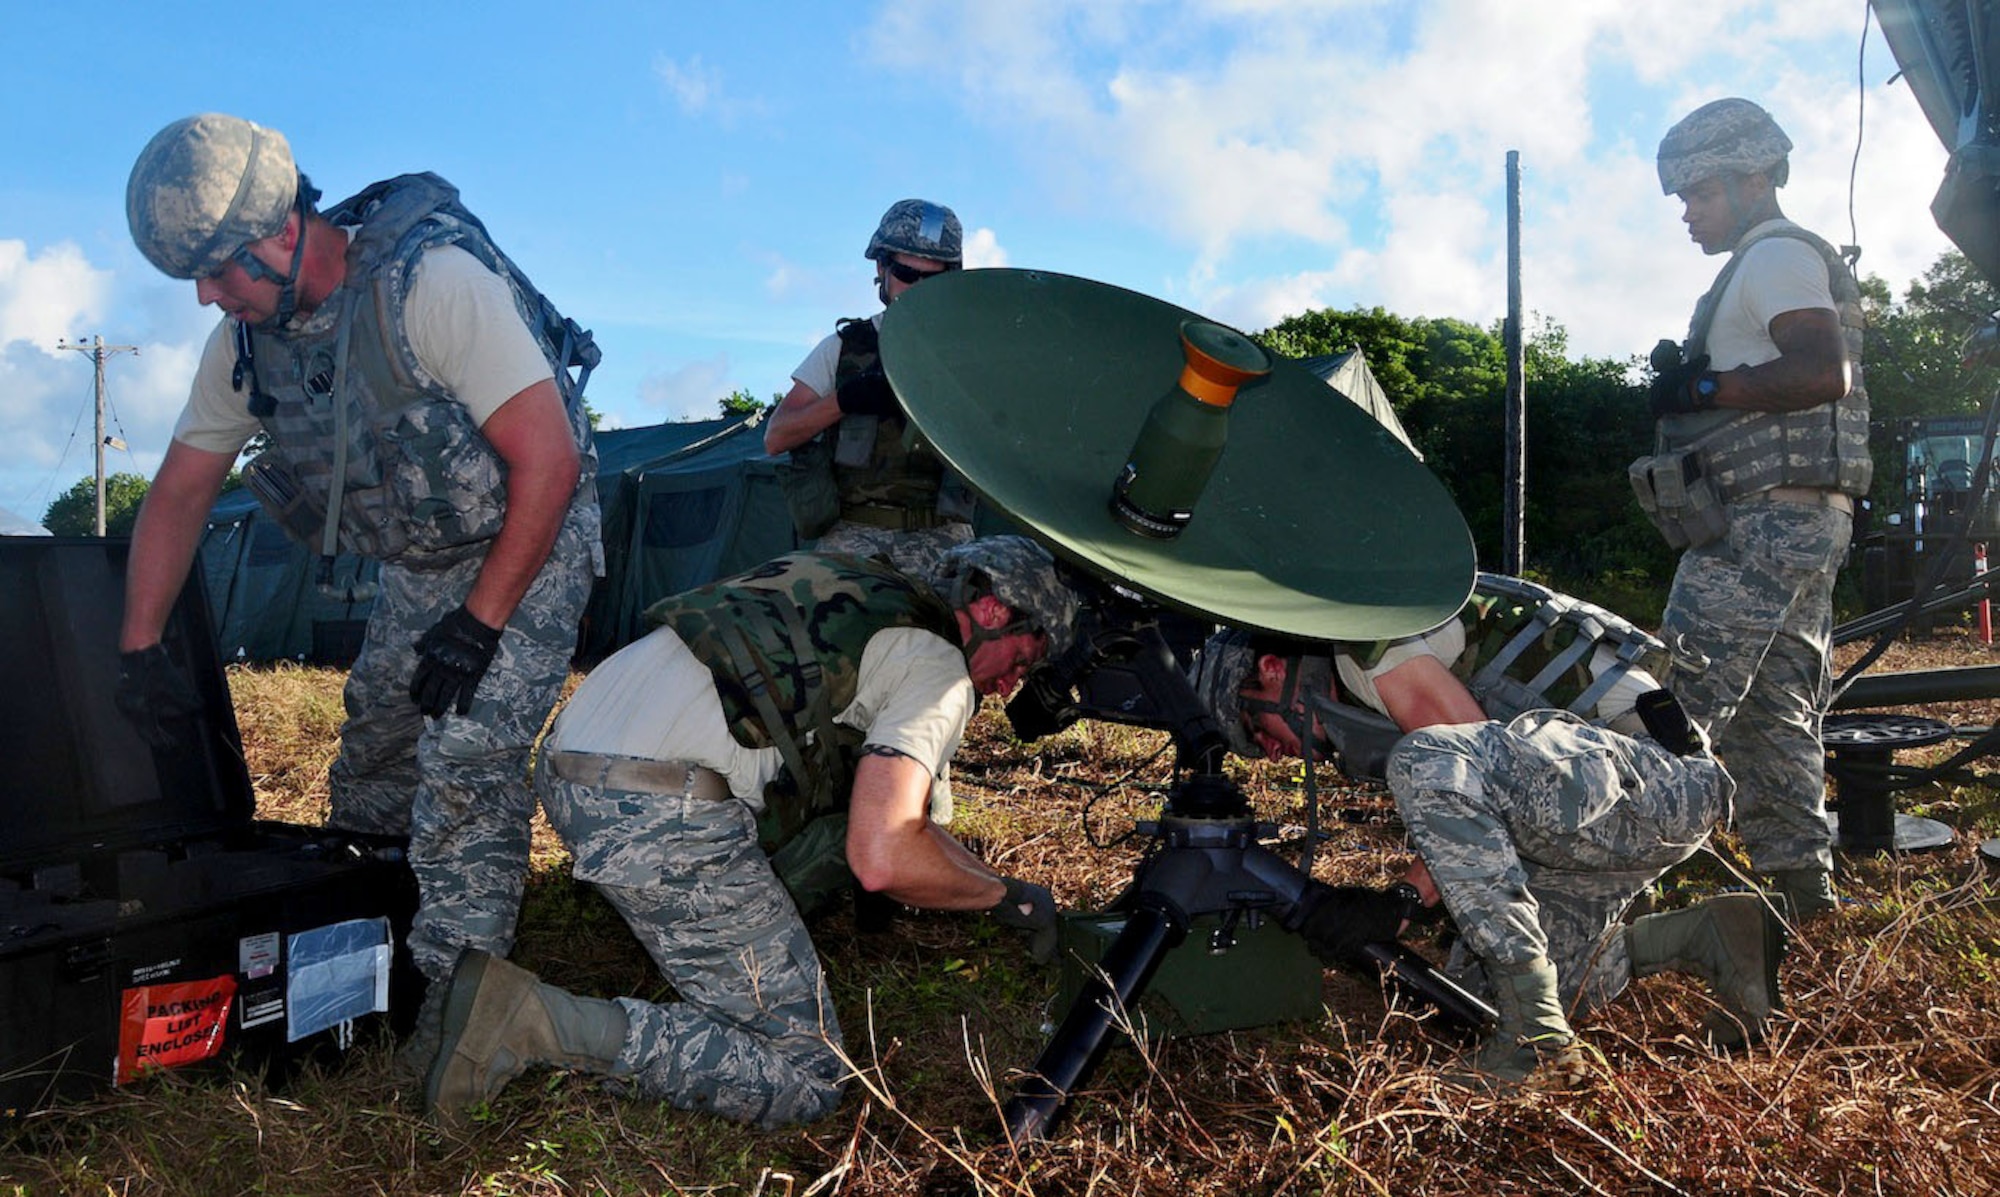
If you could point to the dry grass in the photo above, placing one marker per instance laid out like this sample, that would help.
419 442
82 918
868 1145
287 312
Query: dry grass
1883 1078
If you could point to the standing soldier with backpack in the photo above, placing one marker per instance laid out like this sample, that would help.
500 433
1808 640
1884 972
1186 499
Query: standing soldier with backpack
416 392
856 480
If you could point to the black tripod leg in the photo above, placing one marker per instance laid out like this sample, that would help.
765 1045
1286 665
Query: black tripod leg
1073 1052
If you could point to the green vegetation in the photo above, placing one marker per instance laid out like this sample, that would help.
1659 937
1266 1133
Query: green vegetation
74 513
740 402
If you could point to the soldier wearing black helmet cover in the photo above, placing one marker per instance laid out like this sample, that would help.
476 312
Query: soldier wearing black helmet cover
1762 424
417 414
779 737
855 480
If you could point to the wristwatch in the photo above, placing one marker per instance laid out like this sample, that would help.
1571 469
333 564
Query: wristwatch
1705 388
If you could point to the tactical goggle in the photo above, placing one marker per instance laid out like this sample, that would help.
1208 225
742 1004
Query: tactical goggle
910 276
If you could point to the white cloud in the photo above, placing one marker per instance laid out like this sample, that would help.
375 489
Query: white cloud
693 84
1359 147
47 296
983 248
47 394
688 391
697 88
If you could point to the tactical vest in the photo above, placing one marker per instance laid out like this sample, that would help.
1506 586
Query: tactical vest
1746 453
355 419
784 644
878 463
1529 648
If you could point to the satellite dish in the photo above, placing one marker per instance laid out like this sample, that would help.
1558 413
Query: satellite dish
1314 521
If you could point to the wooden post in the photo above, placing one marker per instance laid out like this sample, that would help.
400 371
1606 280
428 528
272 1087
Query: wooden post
1515 482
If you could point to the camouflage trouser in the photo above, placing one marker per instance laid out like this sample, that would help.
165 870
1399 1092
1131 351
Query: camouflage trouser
1750 626
753 1036
458 785
1540 831
916 553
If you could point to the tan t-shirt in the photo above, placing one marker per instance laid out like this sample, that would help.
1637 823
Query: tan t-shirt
1777 275
654 700
463 325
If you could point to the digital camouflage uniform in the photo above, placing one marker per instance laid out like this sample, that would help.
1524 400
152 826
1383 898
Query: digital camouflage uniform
1539 826
424 493
457 785
1749 619
1540 831
754 1035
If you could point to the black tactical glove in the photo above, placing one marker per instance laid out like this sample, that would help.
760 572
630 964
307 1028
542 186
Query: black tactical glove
152 690
1667 722
451 658
1675 390
867 394
1336 921
1039 920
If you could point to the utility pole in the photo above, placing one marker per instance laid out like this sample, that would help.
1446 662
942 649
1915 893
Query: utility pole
1513 540
98 350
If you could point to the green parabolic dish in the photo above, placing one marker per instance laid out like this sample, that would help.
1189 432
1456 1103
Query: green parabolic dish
1316 523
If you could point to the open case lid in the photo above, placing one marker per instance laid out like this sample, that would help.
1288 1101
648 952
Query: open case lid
77 776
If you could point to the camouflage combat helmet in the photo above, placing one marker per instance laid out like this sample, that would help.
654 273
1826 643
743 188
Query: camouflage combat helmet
206 186
1221 668
1228 663
1731 136
1018 572
920 229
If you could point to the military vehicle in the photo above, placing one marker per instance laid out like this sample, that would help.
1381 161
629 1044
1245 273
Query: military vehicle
1939 513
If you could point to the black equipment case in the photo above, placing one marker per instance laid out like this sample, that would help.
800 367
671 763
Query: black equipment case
146 919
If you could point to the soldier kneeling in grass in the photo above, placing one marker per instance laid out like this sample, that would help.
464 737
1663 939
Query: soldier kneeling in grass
1546 780
777 738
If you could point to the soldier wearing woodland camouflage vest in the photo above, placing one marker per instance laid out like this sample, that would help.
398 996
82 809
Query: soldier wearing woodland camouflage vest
416 393
778 737
1763 446
1544 783
858 480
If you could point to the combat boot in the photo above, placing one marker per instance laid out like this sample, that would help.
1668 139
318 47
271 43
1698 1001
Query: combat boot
1735 943
1808 892
498 1020
1533 1036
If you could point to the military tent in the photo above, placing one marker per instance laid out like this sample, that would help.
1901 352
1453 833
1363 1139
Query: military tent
684 504
264 595
1349 374
15 525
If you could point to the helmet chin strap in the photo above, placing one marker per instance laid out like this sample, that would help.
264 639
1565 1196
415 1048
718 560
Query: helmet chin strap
1746 218
981 634
1303 675
288 284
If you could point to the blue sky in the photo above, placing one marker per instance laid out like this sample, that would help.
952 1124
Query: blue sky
696 182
